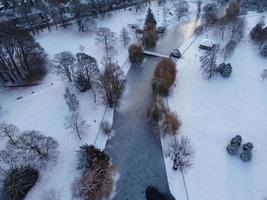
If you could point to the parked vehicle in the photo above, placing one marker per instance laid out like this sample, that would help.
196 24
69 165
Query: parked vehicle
206 44
176 54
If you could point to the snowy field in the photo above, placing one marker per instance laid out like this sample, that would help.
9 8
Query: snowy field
214 111
43 107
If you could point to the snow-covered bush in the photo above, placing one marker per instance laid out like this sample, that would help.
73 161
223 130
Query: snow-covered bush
18 182
97 179
96 184
181 152
87 155
234 146
136 54
106 126
170 124
246 154
225 70
150 19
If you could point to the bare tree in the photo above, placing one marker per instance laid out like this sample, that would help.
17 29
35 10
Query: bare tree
76 123
71 101
124 36
86 73
181 152
208 61
112 81
64 64
229 49
106 37
36 149
181 9
8 160
8 130
238 29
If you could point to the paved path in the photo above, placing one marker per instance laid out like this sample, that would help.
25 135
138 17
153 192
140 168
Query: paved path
135 149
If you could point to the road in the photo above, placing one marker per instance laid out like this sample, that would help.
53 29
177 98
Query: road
135 148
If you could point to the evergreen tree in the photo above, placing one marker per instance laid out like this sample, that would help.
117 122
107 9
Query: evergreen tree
150 19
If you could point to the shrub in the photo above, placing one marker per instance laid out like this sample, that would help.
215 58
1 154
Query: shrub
170 123
136 54
225 70
97 179
81 82
87 155
155 110
246 155
150 36
181 152
233 147
106 127
164 77
18 182
97 184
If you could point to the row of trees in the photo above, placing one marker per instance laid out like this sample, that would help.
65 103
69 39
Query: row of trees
21 57
39 14
83 71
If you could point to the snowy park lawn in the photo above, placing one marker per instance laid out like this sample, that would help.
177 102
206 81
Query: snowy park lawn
214 111
43 107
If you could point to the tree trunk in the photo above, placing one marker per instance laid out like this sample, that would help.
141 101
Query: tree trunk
185 187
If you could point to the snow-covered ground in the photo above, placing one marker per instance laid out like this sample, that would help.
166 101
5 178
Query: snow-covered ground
214 111
43 107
